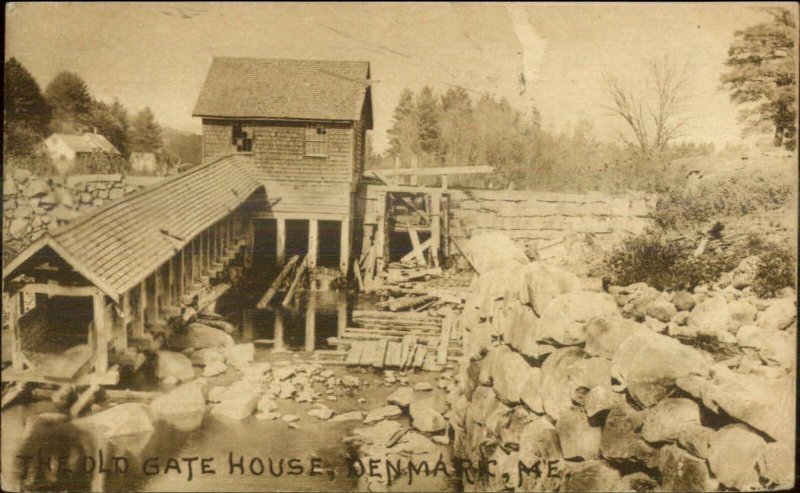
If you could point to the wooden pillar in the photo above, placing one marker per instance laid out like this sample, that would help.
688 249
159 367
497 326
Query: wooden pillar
380 234
341 318
436 226
182 273
138 321
280 246
344 246
313 242
152 298
121 324
311 323
170 282
445 225
278 336
16 336
100 336
251 241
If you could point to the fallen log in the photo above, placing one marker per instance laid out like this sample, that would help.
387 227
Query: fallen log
407 302
84 399
276 284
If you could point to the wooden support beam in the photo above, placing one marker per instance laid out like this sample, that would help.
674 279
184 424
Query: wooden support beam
170 282
380 240
84 399
101 335
276 284
442 170
280 238
58 290
311 324
152 299
313 242
138 321
436 227
182 273
419 249
344 247
298 276
121 324
278 333
16 336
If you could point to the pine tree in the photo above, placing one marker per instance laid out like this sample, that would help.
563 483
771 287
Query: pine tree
762 77
69 97
145 135
26 113
404 133
428 121
111 121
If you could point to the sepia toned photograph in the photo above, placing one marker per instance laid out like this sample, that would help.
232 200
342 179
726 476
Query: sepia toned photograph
399 247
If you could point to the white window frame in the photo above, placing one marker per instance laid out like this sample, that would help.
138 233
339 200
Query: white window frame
315 142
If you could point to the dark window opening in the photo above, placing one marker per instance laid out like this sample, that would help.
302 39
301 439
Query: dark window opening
330 242
242 138
296 238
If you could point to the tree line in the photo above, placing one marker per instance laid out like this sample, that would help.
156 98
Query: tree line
67 106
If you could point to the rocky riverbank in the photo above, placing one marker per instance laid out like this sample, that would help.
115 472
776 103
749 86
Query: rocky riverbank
574 389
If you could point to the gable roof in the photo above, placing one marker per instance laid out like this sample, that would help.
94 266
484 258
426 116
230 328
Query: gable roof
284 89
88 142
118 245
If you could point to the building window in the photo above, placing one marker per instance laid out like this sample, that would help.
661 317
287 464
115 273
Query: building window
242 138
316 141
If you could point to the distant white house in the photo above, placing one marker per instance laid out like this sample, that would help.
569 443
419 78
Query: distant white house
143 162
66 150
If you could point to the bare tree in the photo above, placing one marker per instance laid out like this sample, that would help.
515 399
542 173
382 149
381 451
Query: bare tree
655 114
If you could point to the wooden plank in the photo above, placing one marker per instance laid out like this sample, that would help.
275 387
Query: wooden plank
101 335
300 272
380 354
344 247
409 347
436 171
436 230
281 240
444 343
359 279
419 356
58 290
84 399
416 248
368 353
354 355
11 393
276 284
394 354
407 302
16 337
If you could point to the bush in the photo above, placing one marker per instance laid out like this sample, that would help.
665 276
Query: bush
663 265
775 270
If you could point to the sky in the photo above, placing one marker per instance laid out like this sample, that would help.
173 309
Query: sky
157 54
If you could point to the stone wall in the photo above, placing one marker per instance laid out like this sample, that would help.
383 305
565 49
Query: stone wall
565 387
33 205
538 220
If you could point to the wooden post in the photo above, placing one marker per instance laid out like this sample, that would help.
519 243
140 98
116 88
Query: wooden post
200 254
344 246
280 245
445 225
251 241
341 318
152 298
311 322
182 273
380 234
278 336
16 336
138 322
170 281
436 226
313 242
100 334
121 324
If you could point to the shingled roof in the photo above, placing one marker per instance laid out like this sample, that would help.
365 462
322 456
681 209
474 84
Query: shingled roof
118 245
285 89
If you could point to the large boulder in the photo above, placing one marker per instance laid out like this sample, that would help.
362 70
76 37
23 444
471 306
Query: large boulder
236 407
510 372
130 418
621 440
742 313
521 332
779 315
402 396
175 365
200 336
531 394
381 413
604 335
669 418
601 398
556 384
683 300
776 463
240 355
710 317
744 274
564 318
37 188
733 456
425 416
647 365
766 404
539 444
184 399
681 471
775 347
661 310
577 437
592 475
544 282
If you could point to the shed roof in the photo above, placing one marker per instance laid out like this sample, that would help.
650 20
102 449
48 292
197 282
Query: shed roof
285 89
88 142
118 245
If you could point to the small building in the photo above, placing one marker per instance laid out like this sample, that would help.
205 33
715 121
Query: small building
66 151
302 123
143 163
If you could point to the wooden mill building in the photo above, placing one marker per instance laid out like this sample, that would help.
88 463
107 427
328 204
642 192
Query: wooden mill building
283 145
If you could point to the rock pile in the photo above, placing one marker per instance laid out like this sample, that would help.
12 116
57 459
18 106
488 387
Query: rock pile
32 205
629 389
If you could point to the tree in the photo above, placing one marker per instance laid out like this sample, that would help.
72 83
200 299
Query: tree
404 133
145 132
26 113
69 97
455 127
111 121
762 76
654 114
428 121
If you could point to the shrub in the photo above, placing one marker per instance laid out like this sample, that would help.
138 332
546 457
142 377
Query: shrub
663 265
775 270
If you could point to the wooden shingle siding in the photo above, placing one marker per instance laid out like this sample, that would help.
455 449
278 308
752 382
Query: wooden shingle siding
279 150
308 197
